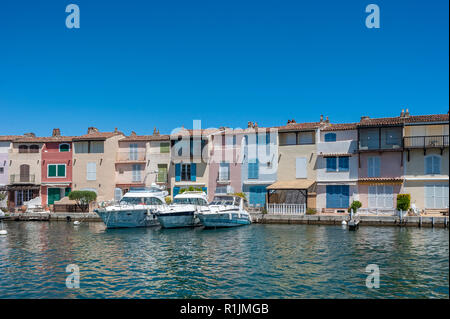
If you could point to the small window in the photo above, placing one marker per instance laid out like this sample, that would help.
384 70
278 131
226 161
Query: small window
34 149
331 164
56 170
2 170
64 147
23 149
164 148
330 137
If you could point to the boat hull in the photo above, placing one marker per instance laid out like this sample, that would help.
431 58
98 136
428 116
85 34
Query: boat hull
127 218
178 219
223 220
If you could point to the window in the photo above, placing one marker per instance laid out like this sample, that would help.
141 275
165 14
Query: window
337 196
330 137
373 166
185 172
253 169
133 155
224 171
34 149
23 196
331 164
56 170
433 164
306 138
97 147
288 139
381 196
2 170
89 147
162 173
81 147
221 189
152 201
343 164
300 167
164 148
436 196
91 171
136 173
64 147
23 148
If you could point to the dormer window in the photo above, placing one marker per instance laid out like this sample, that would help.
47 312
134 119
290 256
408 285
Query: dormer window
64 147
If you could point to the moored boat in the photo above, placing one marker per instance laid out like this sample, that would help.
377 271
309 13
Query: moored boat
183 211
226 211
136 208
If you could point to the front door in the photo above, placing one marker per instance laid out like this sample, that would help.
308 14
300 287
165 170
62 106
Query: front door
257 196
53 194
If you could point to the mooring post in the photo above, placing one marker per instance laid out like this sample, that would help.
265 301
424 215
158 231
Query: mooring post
420 221
432 221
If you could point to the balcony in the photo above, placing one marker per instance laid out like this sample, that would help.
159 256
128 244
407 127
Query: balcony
22 179
339 147
130 157
431 141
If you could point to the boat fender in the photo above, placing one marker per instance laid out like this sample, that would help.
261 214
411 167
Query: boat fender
229 216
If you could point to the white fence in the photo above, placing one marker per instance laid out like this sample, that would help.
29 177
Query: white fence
286 209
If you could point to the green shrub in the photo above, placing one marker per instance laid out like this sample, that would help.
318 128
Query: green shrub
168 200
356 204
83 198
403 202
242 195
311 211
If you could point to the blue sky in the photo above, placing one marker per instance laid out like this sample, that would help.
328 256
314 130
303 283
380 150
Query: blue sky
136 65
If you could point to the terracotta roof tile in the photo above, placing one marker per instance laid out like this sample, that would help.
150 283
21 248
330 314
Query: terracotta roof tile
44 139
4 138
403 120
300 126
340 127
137 138
96 136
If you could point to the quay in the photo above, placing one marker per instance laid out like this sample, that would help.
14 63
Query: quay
364 220
46 216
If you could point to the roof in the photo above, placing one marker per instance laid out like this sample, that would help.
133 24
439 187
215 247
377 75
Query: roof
200 132
136 138
293 127
401 120
380 180
100 136
340 127
4 138
44 139
292 184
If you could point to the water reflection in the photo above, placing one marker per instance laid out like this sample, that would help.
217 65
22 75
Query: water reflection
258 261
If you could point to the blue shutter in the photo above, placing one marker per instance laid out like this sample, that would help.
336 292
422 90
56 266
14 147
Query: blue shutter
343 163
330 137
205 189
193 172
176 190
338 196
177 172
331 164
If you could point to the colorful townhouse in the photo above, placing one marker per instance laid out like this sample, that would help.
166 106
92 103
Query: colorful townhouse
190 151
94 161
380 162
297 166
142 160
337 167
24 170
426 158
6 143
56 167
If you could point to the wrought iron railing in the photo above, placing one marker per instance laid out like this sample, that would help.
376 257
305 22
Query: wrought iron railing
18 178
426 141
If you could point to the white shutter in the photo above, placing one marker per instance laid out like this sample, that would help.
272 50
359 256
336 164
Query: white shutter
291 139
300 167
91 171
429 196
388 196
372 197
97 147
306 138
117 194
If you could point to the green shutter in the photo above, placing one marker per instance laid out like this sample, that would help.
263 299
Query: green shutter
162 173
52 171
61 170
164 148
67 191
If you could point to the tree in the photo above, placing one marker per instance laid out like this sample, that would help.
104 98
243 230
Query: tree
2 196
83 198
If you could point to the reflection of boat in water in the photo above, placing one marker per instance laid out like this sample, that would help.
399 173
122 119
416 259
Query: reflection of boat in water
183 211
135 209
226 211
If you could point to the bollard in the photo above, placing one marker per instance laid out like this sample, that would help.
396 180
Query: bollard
420 221
432 221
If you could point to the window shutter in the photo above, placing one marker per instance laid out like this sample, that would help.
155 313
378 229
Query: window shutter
61 170
91 171
176 190
436 165
300 167
389 196
372 196
331 164
52 171
193 172
330 137
429 165
177 173
343 163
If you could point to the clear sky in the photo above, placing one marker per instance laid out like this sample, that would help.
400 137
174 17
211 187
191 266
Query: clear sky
140 64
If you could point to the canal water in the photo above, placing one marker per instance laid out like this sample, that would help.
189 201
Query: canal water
256 261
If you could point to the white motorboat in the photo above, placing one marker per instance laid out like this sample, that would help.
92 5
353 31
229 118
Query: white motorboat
183 211
136 208
226 211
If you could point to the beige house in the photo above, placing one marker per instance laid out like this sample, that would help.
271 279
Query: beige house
426 158
141 161
94 159
297 164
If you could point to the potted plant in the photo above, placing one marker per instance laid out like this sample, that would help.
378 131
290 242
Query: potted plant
403 203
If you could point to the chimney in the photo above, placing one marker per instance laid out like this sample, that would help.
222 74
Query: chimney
56 132
249 124
406 113
363 118
29 135
321 118
133 133
327 120
92 129
255 125
115 130
402 114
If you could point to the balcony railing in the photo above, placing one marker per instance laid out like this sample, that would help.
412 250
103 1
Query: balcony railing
21 179
286 209
130 156
426 141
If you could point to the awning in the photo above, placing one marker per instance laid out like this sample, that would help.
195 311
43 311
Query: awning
22 187
380 180
292 184
60 184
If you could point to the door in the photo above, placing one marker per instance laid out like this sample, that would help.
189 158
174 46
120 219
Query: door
53 194
24 173
338 196
257 196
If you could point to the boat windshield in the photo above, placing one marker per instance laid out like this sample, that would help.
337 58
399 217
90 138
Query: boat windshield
131 200
190 201
224 201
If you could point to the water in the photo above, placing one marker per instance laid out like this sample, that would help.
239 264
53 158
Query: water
256 261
